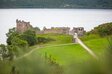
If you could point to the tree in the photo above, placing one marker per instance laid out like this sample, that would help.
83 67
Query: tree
36 29
12 51
3 50
30 37
19 42
12 33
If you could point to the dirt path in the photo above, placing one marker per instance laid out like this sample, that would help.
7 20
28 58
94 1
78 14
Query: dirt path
25 55
85 47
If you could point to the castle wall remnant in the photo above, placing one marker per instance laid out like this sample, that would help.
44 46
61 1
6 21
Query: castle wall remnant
57 30
22 26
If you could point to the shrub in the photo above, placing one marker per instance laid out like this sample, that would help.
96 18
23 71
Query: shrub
30 37
44 40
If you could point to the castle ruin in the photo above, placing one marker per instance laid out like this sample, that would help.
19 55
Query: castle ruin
22 26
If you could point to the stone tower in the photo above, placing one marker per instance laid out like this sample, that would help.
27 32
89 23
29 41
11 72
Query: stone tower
22 26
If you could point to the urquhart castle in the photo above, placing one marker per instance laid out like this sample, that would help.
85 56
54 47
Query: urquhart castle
22 26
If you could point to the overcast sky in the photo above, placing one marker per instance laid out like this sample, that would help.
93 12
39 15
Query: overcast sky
87 18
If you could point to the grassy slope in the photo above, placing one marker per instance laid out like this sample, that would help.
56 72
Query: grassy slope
64 55
96 43
58 38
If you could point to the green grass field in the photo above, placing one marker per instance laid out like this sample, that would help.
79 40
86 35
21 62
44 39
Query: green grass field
67 54
64 55
58 38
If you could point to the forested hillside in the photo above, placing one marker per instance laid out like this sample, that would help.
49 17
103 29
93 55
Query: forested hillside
55 3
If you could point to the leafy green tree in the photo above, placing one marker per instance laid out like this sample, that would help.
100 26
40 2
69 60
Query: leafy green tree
3 47
30 37
19 42
12 51
12 33
3 50
36 29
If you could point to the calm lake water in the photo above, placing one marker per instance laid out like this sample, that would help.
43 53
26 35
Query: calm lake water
87 18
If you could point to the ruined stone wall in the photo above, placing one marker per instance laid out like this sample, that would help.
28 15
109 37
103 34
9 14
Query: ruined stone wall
22 26
79 30
57 30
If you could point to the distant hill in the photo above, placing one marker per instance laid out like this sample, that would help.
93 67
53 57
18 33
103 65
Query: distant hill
103 4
